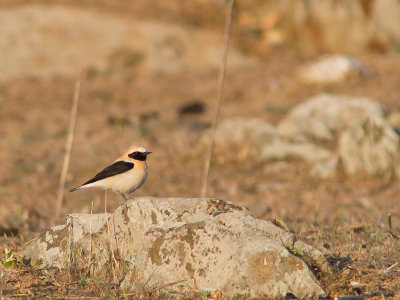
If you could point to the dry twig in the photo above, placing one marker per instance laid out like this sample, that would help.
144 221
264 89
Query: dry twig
387 271
70 246
221 81
390 227
90 229
363 296
68 147
115 260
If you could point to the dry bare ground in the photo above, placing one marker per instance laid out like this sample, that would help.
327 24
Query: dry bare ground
125 101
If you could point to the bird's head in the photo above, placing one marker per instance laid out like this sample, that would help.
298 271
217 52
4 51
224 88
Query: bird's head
137 153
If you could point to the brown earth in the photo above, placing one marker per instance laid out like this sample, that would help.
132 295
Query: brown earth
347 218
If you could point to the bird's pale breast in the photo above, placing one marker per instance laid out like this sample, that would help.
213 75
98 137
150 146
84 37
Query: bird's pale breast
129 181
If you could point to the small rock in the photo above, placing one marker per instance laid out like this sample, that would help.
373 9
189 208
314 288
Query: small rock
331 69
356 284
184 244
192 108
314 257
325 115
336 261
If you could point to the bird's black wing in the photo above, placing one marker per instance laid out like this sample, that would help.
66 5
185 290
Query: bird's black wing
114 169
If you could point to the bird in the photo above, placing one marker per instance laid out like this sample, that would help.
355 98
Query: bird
124 176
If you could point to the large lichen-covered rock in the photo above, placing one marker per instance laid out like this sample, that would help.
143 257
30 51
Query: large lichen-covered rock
183 244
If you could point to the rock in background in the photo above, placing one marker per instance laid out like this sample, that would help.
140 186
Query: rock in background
331 69
356 129
102 42
264 141
329 26
183 244
371 147
325 115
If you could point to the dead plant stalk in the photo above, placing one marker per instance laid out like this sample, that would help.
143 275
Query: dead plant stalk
68 147
91 236
114 267
221 80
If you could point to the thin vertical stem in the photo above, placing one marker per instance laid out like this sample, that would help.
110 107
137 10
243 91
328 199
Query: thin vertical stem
68 148
221 81
91 237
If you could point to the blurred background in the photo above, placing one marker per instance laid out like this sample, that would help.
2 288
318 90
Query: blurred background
151 70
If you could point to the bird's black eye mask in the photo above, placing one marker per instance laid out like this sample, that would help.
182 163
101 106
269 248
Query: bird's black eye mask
139 155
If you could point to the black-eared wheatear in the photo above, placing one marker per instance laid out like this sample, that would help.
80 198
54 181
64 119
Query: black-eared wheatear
124 176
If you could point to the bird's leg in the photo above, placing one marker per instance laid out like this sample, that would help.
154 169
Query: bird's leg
123 196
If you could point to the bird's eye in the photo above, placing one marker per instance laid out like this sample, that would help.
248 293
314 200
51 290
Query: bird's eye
138 155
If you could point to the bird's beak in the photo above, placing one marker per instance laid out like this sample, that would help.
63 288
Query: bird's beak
147 153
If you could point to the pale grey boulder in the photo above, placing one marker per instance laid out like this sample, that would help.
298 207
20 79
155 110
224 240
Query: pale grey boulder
253 131
264 142
326 168
360 138
394 119
324 116
184 244
302 150
370 148
330 69
52 247
365 143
